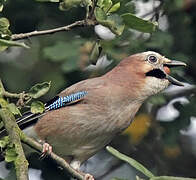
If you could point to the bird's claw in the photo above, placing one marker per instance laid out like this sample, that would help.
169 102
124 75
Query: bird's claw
88 177
46 150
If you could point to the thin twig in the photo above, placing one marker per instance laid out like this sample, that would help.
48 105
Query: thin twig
23 98
50 31
35 145
11 95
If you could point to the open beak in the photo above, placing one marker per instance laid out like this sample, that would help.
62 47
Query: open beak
169 64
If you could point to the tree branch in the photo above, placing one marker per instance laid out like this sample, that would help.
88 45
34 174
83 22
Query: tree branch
35 145
21 164
50 31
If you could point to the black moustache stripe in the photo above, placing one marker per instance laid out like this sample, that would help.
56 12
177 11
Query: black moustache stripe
156 73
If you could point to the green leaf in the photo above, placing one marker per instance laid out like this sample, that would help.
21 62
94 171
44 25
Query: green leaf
105 5
39 90
13 108
3 102
139 24
100 15
2 2
114 8
10 154
37 107
5 33
4 44
114 22
1 8
130 161
87 3
4 23
95 53
100 3
4 141
68 4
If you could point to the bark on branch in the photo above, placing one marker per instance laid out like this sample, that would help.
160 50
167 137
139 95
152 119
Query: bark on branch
21 164
50 31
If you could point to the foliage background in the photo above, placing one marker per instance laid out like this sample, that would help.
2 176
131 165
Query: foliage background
62 57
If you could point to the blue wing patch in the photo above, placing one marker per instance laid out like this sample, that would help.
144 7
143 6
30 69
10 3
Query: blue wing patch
63 101
58 102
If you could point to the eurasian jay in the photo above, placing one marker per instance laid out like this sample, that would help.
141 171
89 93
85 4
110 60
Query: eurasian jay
85 117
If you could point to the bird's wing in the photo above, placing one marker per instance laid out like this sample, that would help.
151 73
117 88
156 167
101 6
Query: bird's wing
70 96
57 102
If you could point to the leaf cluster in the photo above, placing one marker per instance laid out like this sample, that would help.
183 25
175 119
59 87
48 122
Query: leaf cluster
36 107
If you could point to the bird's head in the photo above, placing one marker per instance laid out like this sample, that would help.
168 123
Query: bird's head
147 73
156 70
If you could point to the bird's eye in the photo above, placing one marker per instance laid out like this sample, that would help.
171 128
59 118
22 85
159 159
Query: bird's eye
152 59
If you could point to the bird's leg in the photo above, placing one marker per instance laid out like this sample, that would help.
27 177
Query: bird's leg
76 165
88 177
46 149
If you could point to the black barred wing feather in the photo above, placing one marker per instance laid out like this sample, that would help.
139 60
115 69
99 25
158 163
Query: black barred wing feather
67 100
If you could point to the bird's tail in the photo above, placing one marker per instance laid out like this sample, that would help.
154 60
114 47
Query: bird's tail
26 120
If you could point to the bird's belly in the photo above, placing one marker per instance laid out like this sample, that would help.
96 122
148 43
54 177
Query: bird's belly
82 147
87 141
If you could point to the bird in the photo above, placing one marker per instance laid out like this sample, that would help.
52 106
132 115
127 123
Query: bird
85 117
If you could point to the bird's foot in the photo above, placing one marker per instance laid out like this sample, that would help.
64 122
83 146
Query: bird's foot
88 177
75 164
46 150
